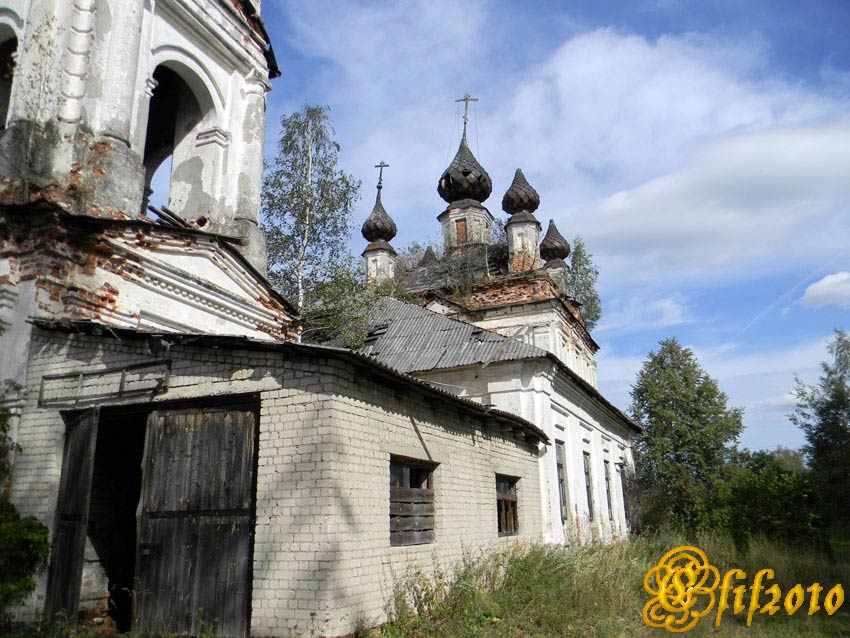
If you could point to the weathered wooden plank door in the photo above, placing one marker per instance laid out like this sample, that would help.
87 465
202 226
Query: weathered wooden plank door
72 512
196 528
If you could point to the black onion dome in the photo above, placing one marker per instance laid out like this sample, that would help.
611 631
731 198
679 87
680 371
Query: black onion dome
378 225
521 196
465 178
554 246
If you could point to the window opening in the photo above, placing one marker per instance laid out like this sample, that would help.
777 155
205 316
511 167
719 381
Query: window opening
411 502
506 505
7 73
460 228
588 485
561 461
608 490
174 116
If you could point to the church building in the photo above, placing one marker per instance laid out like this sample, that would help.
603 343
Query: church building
495 324
199 468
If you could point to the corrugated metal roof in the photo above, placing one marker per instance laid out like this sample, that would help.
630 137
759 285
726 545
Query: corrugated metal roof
409 338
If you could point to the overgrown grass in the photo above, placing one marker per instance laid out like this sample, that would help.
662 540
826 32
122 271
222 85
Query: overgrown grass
598 591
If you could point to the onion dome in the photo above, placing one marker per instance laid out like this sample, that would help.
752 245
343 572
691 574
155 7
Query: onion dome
428 258
554 246
378 225
520 197
465 178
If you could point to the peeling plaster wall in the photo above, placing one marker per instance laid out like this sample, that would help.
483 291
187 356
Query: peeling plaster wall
134 276
79 107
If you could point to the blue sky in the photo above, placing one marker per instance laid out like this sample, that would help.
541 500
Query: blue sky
702 149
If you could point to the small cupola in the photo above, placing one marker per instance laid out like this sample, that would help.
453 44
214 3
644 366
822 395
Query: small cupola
378 230
554 248
523 230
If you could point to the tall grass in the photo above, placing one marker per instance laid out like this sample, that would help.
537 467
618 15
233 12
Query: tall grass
531 592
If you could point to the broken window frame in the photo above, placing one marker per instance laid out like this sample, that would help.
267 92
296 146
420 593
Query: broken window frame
412 503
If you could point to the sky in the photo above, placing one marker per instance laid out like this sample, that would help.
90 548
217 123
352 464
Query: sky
701 149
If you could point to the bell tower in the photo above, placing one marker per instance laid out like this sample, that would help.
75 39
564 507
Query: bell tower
98 94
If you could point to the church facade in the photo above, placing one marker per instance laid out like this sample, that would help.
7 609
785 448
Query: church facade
494 323
197 466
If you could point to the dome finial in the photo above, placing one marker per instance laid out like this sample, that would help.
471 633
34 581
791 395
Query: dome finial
379 225
554 246
466 99
520 196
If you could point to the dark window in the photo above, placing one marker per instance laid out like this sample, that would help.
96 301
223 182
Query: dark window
7 72
506 505
588 485
460 227
608 490
561 460
411 502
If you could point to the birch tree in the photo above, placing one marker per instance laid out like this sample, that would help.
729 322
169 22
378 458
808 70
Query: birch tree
307 206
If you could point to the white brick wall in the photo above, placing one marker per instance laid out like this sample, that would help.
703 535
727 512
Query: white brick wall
322 557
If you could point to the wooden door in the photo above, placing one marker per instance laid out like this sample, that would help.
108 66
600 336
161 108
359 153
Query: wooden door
196 527
71 521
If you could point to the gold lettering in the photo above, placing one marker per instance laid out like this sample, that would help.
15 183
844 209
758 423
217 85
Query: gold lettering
725 588
834 599
814 589
755 590
794 599
775 593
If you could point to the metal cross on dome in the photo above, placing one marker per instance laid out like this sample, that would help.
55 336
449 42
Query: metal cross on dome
466 99
381 168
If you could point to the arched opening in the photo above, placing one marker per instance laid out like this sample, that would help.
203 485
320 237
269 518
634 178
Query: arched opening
7 72
176 115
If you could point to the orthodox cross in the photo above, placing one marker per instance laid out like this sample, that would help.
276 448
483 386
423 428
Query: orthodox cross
381 168
466 99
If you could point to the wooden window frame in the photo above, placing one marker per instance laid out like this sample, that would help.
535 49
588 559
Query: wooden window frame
608 490
561 466
588 483
507 505
412 507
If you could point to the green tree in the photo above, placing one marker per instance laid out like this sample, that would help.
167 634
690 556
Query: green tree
689 435
768 494
307 206
582 283
823 412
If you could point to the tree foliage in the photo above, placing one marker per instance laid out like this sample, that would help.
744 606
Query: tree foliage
582 283
24 552
823 412
307 205
688 437
768 494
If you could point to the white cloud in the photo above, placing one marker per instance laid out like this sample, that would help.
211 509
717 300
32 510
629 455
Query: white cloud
644 313
832 290
760 382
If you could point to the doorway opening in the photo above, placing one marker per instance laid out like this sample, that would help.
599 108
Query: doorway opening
115 491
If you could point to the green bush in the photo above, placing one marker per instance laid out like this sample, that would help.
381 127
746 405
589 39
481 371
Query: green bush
23 551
